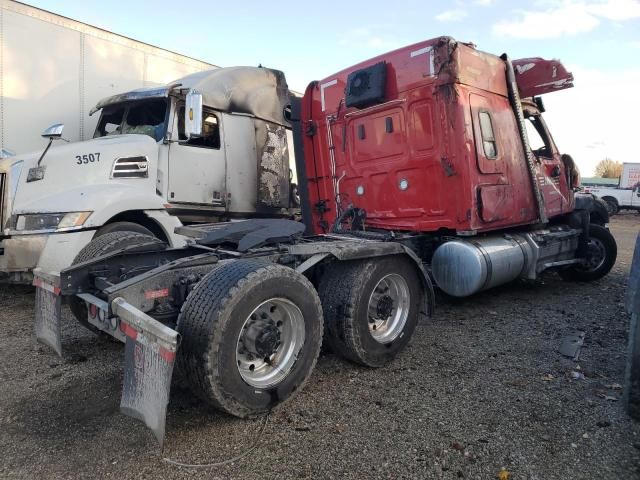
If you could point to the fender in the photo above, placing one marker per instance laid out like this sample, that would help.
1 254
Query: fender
596 207
358 249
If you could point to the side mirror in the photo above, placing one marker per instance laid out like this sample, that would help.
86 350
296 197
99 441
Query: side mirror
54 131
193 115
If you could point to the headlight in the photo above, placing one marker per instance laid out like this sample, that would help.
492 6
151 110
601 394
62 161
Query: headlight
51 221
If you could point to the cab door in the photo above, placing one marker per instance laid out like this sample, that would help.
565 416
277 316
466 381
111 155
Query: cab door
197 167
491 129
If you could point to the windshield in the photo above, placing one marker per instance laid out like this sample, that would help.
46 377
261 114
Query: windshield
147 117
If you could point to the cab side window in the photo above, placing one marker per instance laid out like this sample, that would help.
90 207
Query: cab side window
210 129
538 139
488 137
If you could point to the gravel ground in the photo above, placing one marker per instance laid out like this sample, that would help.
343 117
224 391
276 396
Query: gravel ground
480 388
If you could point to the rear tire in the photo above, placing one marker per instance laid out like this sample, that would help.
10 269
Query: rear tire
612 205
371 308
251 334
99 246
603 251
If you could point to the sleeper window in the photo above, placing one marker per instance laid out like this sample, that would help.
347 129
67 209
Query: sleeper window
210 130
488 137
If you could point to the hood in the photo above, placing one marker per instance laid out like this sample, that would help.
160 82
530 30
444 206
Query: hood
75 169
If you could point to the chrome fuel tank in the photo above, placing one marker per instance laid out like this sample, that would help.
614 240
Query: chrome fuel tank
464 267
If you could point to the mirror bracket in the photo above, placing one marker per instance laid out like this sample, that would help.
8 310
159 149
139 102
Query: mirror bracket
193 114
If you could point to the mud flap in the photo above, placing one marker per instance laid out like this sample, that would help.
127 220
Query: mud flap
150 352
48 310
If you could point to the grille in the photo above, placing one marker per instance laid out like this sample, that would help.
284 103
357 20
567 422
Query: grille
130 167
3 188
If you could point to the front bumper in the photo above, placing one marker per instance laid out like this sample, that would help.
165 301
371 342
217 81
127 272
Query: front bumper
20 254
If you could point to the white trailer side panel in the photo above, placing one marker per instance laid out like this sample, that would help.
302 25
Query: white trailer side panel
55 69
39 88
630 175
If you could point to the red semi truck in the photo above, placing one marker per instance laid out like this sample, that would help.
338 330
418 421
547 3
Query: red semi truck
415 169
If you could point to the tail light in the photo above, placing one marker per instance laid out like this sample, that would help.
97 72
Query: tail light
130 167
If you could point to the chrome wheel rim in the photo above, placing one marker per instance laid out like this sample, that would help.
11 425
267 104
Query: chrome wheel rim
388 308
597 257
269 343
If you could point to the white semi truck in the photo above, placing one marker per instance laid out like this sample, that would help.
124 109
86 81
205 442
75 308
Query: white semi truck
148 170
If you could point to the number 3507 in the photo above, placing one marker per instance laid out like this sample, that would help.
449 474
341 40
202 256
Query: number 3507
88 158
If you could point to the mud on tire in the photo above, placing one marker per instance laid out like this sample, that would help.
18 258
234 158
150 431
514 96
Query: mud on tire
356 298
216 321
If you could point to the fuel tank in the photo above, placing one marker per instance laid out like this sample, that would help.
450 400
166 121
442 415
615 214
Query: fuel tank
464 267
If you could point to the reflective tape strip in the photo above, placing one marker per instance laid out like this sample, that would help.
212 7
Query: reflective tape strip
46 286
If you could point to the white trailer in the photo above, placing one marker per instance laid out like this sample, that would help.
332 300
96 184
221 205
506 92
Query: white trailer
54 70
630 177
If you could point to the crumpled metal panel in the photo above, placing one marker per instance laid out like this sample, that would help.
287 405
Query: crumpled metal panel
273 169
537 76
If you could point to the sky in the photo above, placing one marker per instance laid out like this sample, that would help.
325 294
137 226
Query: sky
597 40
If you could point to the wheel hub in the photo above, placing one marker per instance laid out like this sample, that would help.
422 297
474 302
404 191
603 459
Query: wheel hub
596 255
262 339
388 308
269 342
385 307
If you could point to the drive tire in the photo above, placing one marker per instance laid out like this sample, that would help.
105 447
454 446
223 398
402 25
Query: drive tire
123 227
604 241
612 205
212 323
99 246
346 290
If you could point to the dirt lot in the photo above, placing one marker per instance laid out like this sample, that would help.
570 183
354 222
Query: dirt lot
481 387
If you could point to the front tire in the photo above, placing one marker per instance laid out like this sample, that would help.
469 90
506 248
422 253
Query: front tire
251 334
602 251
371 308
123 227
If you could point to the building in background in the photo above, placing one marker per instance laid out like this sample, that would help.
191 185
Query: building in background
54 70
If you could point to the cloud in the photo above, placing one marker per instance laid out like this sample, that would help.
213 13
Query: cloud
566 18
618 10
454 15
590 129
635 44
484 3
371 37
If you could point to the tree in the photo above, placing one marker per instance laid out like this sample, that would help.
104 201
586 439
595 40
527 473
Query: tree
608 168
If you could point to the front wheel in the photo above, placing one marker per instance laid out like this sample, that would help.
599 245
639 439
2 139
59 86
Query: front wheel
600 256
251 334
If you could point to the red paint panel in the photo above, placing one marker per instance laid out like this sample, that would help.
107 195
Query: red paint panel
495 202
